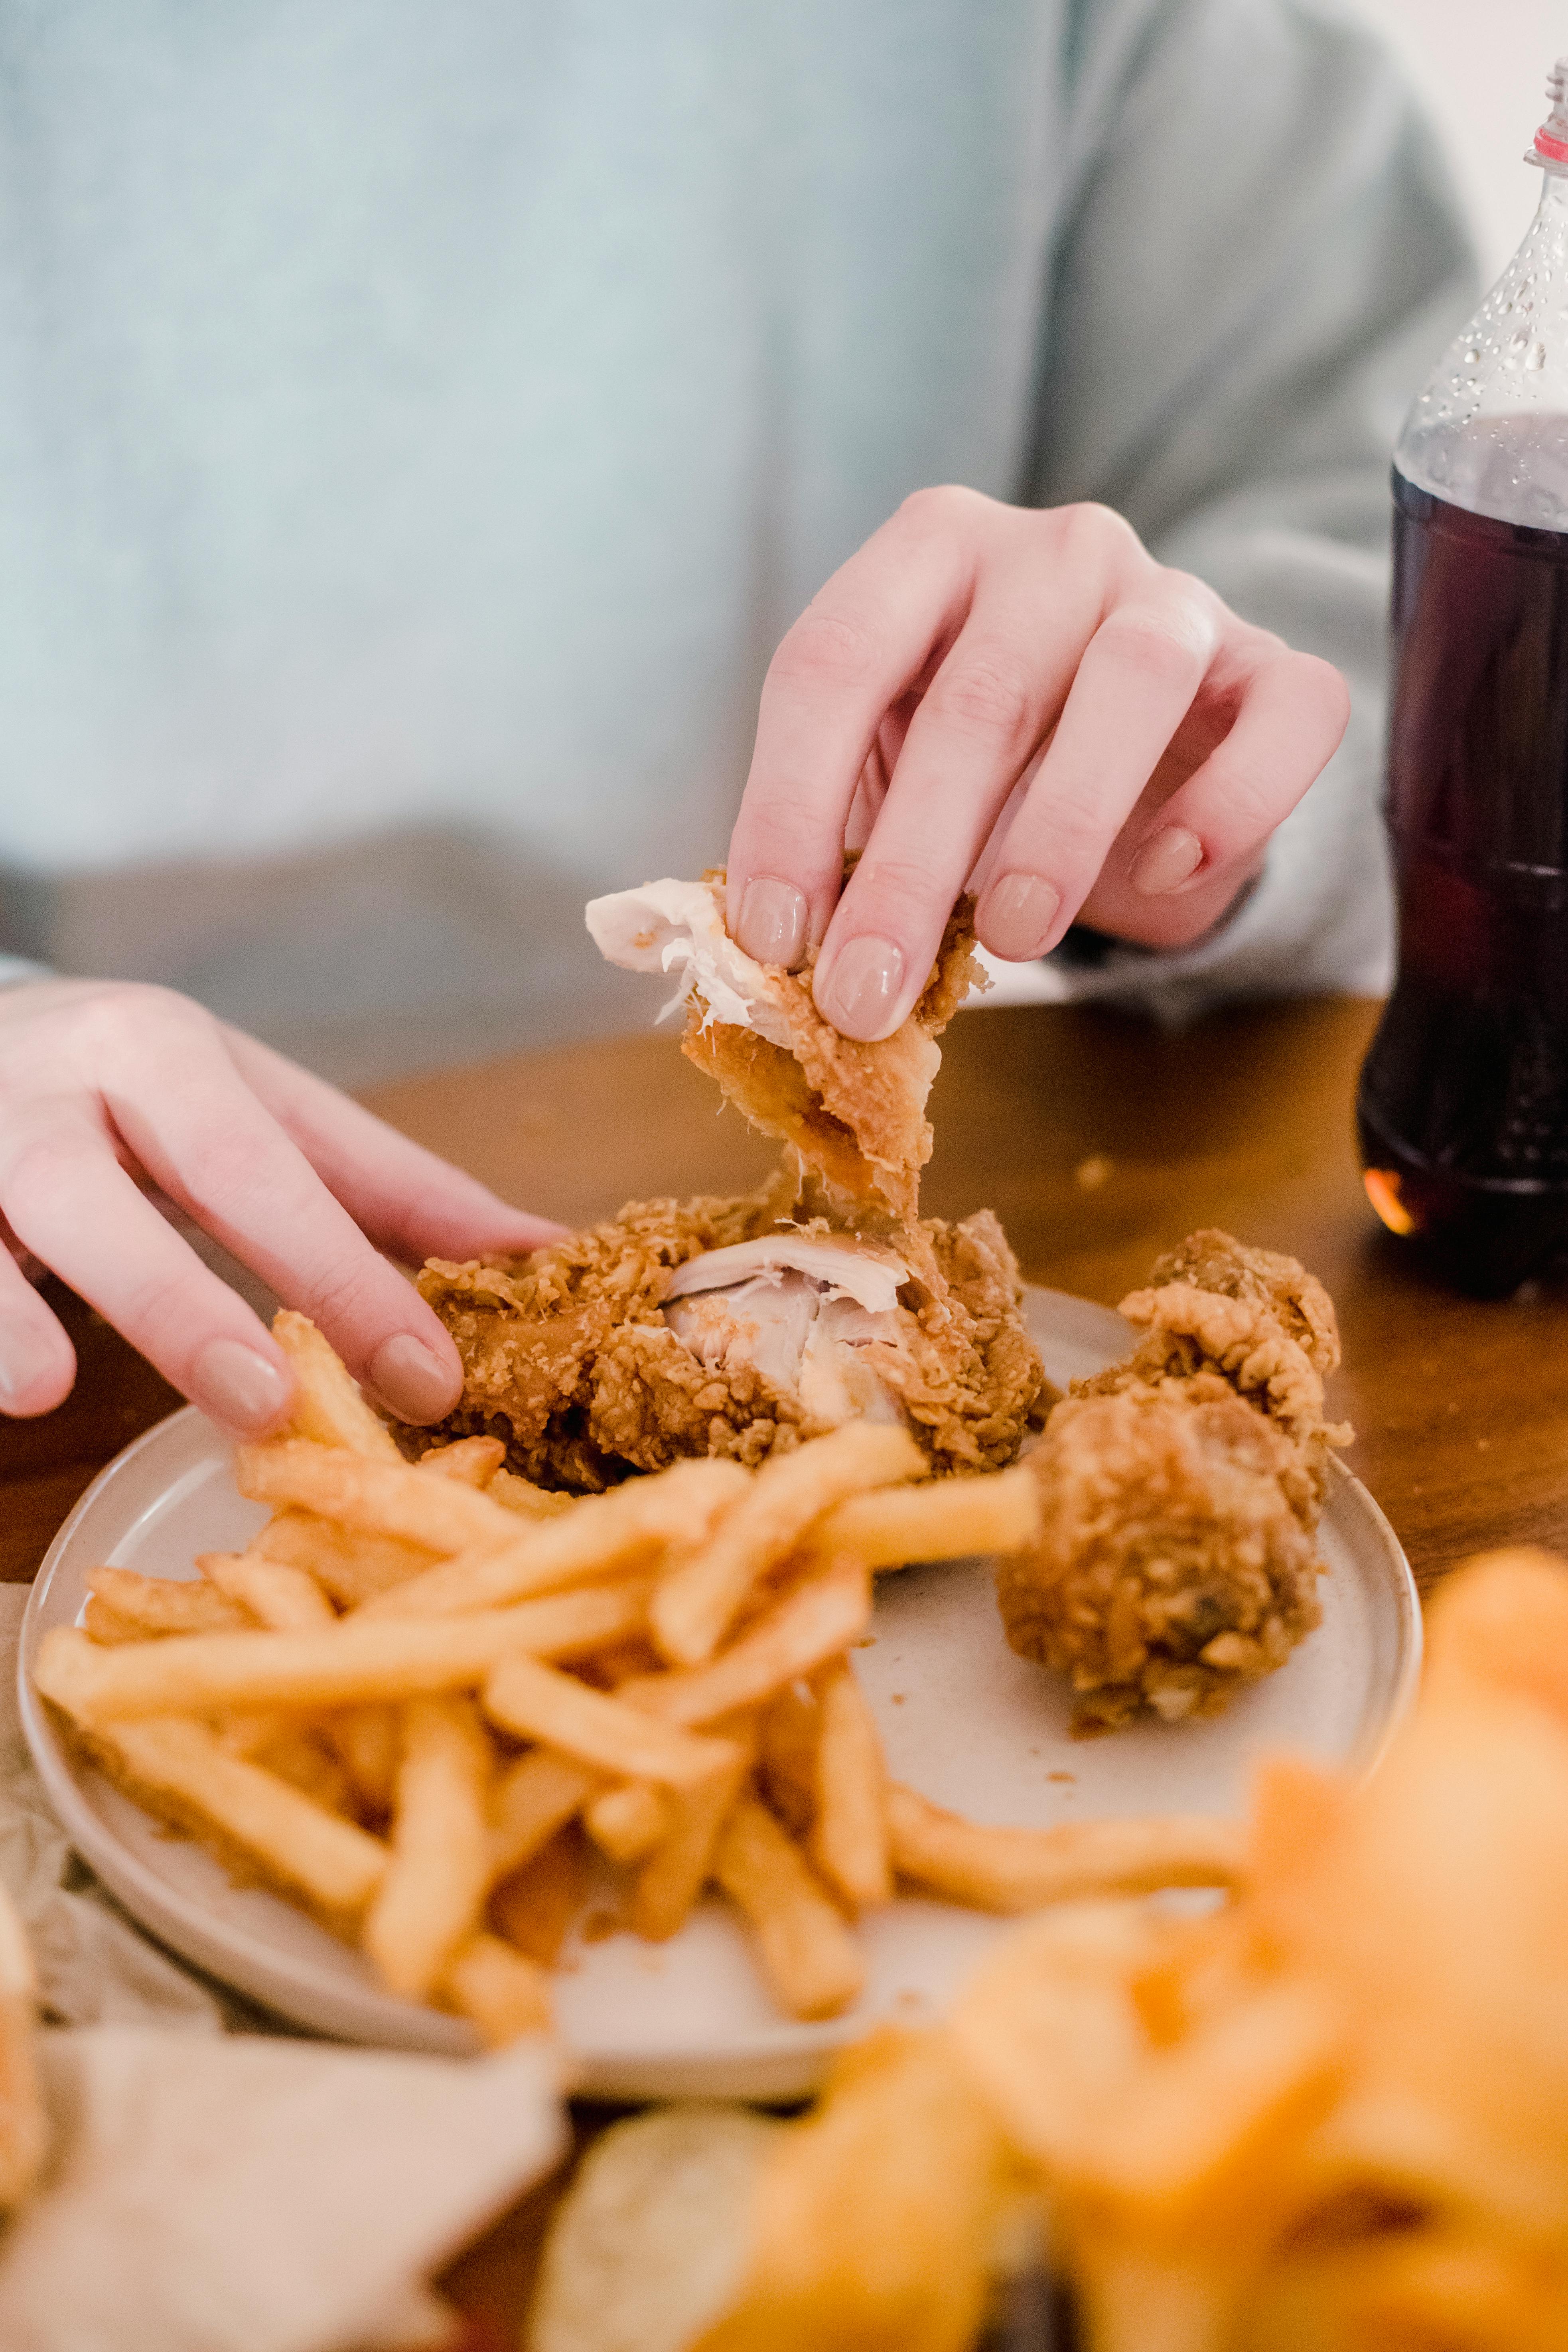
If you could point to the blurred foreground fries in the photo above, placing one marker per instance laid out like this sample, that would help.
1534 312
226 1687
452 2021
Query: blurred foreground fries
23 2125
429 1696
1331 2118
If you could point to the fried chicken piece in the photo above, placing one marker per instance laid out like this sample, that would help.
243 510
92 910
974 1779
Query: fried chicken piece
854 1112
738 1328
1172 1569
1183 1491
1260 1321
1211 1260
634 1343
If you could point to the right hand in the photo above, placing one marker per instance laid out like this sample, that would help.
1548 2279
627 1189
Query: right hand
110 1093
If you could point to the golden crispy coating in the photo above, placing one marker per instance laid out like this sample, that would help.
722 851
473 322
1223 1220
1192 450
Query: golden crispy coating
1171 1569
1183 1488
567 1357
1260 1320
1210 1260
854 1112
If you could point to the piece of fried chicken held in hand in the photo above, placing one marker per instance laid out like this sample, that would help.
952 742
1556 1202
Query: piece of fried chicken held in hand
1180 1491
740 1328
855 1113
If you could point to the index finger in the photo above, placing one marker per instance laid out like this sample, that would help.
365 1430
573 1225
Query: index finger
218 1154
409 1200
858 645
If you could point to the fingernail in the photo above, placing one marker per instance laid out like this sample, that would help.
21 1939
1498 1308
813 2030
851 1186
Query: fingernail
240 1388
412 1379
860 995
1016 917
772 927
1167 858
26 1357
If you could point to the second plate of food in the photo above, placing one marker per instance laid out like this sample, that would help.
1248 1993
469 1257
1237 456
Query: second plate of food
963 1719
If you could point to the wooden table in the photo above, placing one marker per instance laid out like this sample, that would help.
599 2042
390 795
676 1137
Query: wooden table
1099 1140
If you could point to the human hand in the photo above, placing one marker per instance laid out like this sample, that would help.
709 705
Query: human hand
111 1094
1022 703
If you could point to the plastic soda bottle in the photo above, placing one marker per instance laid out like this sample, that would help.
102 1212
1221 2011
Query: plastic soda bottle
1463 1103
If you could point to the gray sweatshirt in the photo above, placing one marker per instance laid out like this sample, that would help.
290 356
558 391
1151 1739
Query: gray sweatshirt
417 426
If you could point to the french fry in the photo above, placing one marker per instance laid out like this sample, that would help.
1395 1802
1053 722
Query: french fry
602 1536
202 1673
500 1991
381 1498
297 1755
429 1901
533 1907
328 1407
809 1957
247 1731
529 1502
535 1702
626 1821
162 1605
848 1839
698 1600
678 1867
24 2123
179 1770
790 1726
346 1563
101 1624
800 1633
945 1518
1013 1870
473 1460
268 1591
530 1801
366 1740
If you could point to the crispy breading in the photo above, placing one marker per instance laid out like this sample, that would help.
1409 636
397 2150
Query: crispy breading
1183 1491
585 1381
567 1357
1172 1569
1260 1322
531 1330
1212 1260
854 1112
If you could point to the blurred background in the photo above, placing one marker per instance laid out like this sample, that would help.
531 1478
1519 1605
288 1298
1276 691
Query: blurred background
1483 65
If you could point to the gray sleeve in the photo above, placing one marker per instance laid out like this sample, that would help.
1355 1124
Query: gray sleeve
1263 259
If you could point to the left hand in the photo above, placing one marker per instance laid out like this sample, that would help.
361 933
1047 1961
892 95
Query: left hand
1023 703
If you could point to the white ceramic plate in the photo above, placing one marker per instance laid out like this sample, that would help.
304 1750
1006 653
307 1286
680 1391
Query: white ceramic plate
963 1719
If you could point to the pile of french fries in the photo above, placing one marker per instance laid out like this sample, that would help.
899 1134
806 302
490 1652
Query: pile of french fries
426 1692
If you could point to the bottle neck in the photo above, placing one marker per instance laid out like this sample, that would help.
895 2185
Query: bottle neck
1489 431
1552 212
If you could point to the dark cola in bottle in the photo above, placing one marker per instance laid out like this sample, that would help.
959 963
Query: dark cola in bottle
1463 1104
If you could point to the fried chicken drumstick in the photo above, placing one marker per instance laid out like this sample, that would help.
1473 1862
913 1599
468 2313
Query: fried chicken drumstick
1181 1492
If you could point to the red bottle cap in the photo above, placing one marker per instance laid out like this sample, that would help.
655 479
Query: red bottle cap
1552 139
